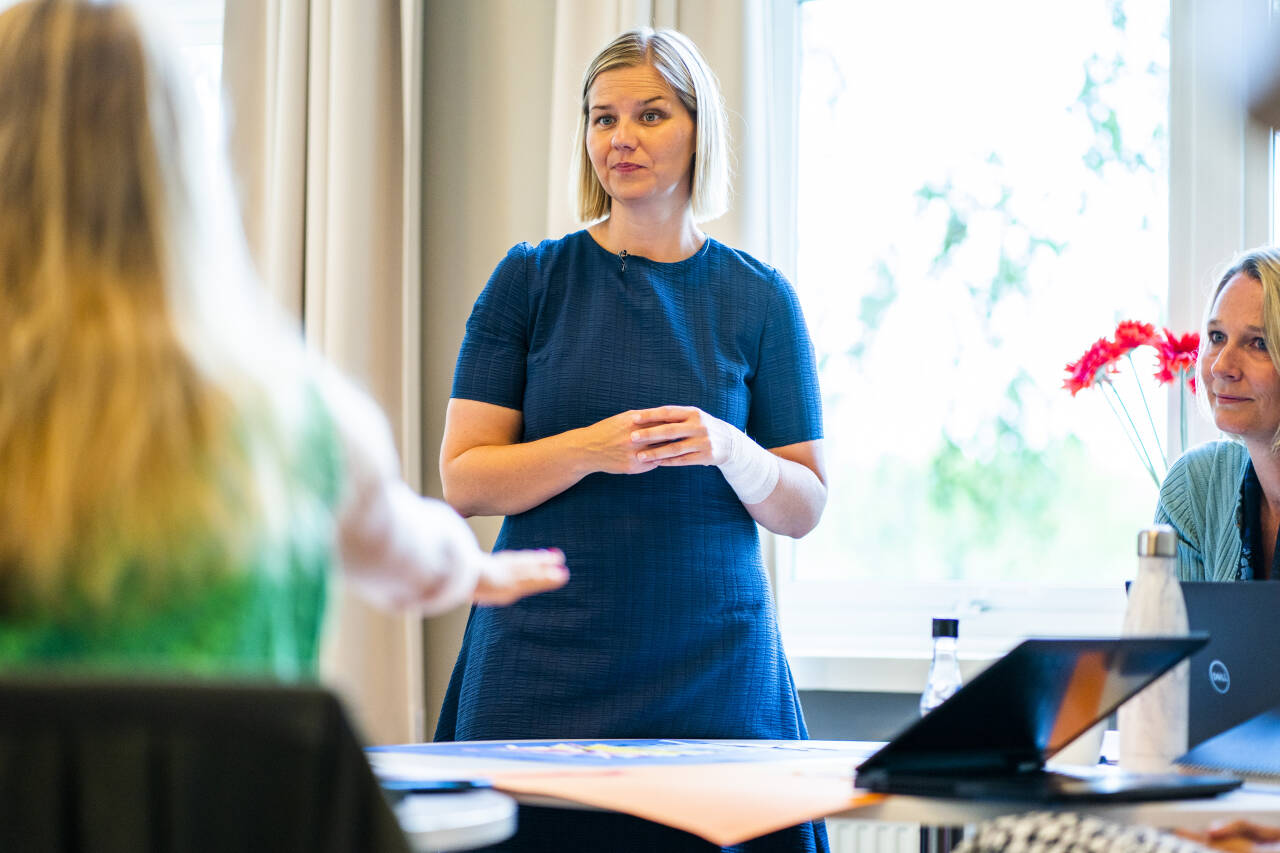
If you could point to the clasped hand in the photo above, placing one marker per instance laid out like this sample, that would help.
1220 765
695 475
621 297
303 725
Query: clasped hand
640 440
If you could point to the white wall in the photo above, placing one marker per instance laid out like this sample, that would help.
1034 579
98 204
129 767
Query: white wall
487 107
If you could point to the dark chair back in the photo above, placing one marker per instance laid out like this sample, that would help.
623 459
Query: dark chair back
184 767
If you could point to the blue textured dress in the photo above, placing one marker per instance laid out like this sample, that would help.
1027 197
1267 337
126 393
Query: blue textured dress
667 627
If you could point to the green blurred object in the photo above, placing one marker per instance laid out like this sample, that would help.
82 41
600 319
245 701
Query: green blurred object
201 616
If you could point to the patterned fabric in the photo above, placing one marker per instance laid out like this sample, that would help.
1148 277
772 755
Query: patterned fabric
206 618
1201 500
667 628
558 830
1067 832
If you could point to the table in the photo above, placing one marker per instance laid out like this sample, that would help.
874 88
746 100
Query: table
723 789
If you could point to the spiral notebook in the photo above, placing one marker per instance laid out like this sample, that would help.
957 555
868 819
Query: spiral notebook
1251 750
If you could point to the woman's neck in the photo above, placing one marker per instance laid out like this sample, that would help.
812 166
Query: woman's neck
665 237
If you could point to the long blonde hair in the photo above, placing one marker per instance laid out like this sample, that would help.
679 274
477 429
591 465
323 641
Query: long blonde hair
133 430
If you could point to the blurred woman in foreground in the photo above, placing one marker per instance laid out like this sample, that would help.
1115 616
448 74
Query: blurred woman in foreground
177 476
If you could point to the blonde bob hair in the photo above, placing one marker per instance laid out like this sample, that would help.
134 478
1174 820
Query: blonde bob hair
147 402
678 61
1263 266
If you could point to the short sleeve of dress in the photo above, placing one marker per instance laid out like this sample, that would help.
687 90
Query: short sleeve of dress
491 363
786 405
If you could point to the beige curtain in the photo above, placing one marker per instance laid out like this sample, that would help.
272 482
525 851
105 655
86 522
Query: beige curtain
487 104
324 98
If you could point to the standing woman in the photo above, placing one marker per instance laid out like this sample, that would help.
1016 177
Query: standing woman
642 396
1223 497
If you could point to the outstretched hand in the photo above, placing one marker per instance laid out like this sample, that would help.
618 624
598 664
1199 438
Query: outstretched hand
508 576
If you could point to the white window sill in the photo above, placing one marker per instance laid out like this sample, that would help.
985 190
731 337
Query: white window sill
874 637
905 672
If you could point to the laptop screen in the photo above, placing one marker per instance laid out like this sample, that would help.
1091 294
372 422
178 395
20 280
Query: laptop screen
1233 677
1031 703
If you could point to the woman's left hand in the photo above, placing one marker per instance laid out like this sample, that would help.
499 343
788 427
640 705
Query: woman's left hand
686 436
783 489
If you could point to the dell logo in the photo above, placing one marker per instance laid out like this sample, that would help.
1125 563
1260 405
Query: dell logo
1219 676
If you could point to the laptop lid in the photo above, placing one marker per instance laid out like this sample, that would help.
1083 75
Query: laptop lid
1233 677
1024 708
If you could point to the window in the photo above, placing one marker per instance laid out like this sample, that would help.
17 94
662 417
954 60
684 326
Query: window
979 199
197 27
1275 187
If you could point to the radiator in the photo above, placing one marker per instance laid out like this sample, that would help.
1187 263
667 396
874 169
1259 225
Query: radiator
873 836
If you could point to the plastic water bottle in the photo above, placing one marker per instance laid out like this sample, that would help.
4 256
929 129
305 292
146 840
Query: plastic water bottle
944 671
1153 724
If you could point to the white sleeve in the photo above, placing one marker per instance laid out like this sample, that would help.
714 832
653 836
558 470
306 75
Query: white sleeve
399 548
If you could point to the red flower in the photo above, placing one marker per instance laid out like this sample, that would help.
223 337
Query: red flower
1098 358
1177 354
1130 334
1176 359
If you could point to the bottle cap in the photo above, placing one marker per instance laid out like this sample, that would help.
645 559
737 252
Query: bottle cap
946 627
1159 540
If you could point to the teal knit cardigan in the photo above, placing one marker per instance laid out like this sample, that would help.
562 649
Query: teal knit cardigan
1200 499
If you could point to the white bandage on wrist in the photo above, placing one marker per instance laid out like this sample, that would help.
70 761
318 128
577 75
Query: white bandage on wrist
751 471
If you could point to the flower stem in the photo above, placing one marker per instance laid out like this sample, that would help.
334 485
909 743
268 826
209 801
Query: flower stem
1143 394
1131 432
1182 408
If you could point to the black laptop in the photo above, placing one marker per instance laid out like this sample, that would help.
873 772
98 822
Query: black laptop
991 739
1233 678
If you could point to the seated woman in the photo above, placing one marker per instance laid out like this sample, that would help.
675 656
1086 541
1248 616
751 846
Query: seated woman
177 476
1223 497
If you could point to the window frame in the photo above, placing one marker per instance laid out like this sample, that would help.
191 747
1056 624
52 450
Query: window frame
873 635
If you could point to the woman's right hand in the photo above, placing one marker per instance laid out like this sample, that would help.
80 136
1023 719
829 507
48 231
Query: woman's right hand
508 576
486 469
609 447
